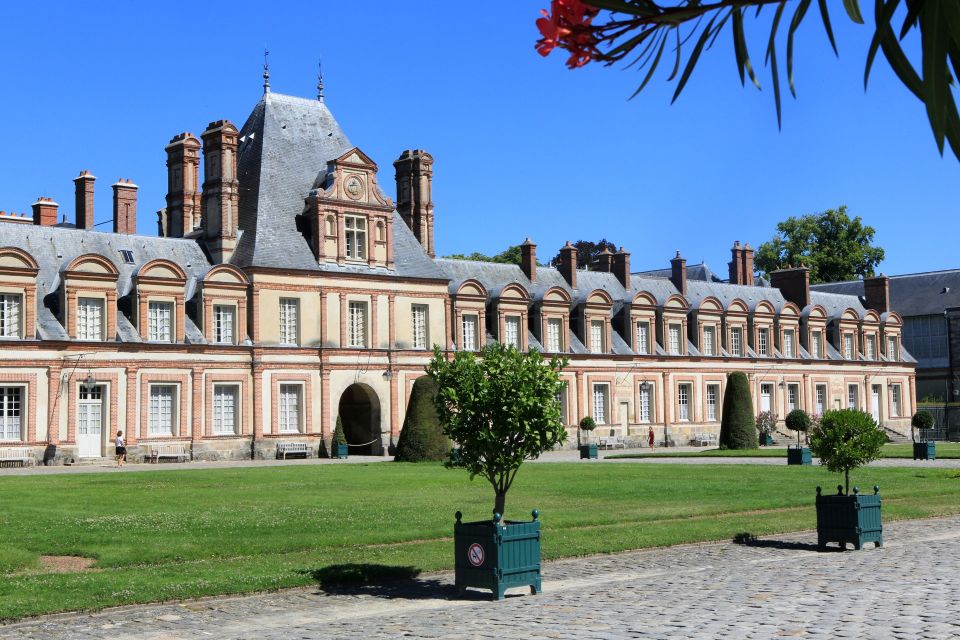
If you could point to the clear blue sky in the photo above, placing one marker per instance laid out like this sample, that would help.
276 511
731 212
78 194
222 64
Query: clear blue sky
523 146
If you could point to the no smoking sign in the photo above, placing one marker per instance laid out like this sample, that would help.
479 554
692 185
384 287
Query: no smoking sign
475 554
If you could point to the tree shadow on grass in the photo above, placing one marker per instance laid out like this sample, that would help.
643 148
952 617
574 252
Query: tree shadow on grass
381 581
750 540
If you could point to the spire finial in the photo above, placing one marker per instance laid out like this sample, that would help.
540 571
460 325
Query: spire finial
266 71
320 80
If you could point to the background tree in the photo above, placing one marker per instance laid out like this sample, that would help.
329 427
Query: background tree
510 255
738 425
798 420
500 408
833 246
641 31
422 439
587 251
846 439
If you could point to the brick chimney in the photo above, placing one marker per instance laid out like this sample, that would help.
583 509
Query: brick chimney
678 273
877 292
221 189
604 261
567 265
528 259
414 174
83 190
794 285
621 267
125 207
183 197
45 212
747 271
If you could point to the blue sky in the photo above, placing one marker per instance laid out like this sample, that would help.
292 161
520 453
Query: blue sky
523 146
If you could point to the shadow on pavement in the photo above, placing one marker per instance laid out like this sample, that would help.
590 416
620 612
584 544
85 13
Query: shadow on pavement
381 581
749 540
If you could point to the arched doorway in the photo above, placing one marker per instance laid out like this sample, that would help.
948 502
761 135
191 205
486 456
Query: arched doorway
360 413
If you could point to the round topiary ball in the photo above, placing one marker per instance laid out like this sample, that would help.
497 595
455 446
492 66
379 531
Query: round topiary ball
797 420
588 424
922 420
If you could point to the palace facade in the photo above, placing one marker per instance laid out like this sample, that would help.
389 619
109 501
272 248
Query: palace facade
284 289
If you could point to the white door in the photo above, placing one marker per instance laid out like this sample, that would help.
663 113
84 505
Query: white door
875 402
766 390
90 423
624 416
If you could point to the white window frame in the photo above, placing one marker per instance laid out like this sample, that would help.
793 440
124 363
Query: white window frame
643 337
511 331
90 318
224 324
713 394
419 322
11 315
12 410
596 336
470 327
162 412
871 347
766 391
789 342
896 401
848 351
892 350
793 397
355 237
357 323
601 402
285 391
709 340
763 342
225 416
736 341
645 403
161 321
816 345
674 332
853 396
684 391
554 331
821 398
290 322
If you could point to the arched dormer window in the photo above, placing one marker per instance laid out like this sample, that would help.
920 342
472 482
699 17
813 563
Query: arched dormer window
89 298
223 306
18 294
160 288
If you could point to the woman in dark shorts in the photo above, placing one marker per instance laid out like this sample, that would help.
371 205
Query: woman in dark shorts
121 449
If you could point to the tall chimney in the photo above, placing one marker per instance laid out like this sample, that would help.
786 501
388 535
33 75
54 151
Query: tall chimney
877 292
794 285
621 267
414 173
604 261
125 207
183 200
567 266
736 263
528 259
221 189
83 190
45 212
747 272
678 273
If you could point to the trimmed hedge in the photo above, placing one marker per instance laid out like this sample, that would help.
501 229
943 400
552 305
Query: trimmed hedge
422 439
738 427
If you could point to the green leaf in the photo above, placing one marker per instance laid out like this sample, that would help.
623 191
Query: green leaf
936 78
740 47
772 59
653 67
797 19
825 14
692 61
676 64
620 6
853 10
883 11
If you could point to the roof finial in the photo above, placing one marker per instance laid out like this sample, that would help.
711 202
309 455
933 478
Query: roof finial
266 71
320 80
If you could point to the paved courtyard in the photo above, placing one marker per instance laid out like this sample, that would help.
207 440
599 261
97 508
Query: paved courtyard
780 587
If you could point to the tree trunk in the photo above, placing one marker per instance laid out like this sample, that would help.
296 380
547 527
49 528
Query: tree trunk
846 478
498 505
798 439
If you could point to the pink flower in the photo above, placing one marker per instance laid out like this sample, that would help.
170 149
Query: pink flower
568 27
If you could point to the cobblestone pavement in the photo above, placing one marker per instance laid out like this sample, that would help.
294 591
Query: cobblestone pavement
779 587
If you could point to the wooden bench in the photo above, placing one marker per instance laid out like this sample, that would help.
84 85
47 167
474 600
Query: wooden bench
21 455
175 451
285 449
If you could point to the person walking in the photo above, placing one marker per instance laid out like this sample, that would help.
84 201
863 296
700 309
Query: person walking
121 449
650 437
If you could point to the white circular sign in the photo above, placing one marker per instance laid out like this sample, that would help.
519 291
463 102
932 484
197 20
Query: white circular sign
475 554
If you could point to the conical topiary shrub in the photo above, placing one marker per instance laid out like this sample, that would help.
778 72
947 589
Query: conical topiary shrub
422 439
338 445
738 425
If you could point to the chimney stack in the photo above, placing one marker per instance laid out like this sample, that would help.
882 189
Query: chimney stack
414 174
567 266
83 190
621 267
794 285
604 261
678 273
877 293
221 189
736 262
183 199
125 207
747 271
45 212
528 259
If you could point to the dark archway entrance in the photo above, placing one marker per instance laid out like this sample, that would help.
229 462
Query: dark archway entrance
360 413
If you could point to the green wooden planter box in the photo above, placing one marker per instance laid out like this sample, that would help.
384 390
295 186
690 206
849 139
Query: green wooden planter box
799 456
588 451
339 451
925 450
497 557
766 440
849 518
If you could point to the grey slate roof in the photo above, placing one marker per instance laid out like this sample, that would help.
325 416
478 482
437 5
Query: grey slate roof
912 294
836 303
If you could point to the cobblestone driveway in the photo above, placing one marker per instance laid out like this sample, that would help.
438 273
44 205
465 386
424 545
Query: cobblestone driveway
780 588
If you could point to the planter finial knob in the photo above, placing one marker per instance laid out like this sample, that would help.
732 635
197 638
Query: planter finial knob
839 489
496 517
856 490
819 490
876 489
459 516
536 514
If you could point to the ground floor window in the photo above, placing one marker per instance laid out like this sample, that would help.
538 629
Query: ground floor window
766 392
895 401
160 420
643 412
601 402
853 397
793 397
683 402
11 413
713 392
821 398
290 408
225 407
562 399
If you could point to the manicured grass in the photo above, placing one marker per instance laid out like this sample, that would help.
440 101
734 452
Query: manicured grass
185 533
945 450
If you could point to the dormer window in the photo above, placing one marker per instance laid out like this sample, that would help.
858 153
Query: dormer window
512 331
788 350
762 342
554 345
871 347
90 319
708 341
356 237
816 345
643 338
469 324
675 339
223 324
736 341
596 336
848 346
159 319
10 315
892 348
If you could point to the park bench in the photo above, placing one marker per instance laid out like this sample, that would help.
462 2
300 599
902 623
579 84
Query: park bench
704 439
22 456
286 449
176 452
612 442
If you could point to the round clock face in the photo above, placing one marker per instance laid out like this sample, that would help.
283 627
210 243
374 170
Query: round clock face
354 187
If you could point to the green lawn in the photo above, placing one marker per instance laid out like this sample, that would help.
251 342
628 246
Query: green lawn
176 534
945 450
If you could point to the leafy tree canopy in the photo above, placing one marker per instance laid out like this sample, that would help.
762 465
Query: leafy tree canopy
831 244
846 439
511 255
587 251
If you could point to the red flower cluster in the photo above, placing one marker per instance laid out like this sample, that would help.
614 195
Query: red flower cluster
569 28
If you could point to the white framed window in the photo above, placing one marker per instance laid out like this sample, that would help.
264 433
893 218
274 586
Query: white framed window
643 338
816 345
683 402
601 402
709 340
512 331
421 338
596 336
468 325
788 349
793 397
853 397
224 321
554 344
160 416
736 341
11 413
357 324
160 321
10 315
675 339
871 347
356 237
848 346
225 406
896 406
90 319
643 410
892 348
290 408
766 393
821 398
562 399
713 393
289 321
762 342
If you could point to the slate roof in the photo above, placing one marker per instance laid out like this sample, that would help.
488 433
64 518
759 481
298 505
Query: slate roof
912 294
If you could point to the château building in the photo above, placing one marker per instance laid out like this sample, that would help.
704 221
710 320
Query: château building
284 289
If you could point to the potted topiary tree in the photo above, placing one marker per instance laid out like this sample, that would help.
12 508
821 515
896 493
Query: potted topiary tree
923 449
588 450
501 409
847 439
422 439
766 425
338 445
737 423
798 420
